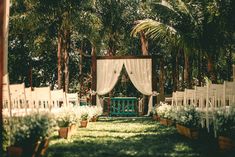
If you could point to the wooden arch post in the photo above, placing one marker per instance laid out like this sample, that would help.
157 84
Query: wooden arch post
1 72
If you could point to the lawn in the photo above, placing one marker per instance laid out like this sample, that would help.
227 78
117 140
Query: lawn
131 137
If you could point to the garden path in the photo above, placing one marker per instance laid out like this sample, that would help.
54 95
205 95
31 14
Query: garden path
131 137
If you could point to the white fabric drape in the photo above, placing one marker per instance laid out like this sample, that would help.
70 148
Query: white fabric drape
139 71
108 72
140 74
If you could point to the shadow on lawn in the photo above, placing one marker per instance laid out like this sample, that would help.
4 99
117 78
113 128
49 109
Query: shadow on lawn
154 141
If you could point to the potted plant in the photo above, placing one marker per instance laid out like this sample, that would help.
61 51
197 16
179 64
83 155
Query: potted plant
188 121
165 113
225 128
29 133
84 120
67 124
155 116
94 113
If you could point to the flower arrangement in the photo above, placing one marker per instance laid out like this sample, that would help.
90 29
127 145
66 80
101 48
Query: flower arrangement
225 122
84 116
188 116
66 118
31 128
165 111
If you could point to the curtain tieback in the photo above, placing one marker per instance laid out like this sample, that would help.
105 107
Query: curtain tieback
155 93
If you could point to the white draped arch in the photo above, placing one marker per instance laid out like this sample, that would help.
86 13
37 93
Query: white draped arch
139 71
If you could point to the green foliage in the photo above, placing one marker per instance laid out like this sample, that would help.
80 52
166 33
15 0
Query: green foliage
84 116
67 118
188 116
31 128
225 122
165 111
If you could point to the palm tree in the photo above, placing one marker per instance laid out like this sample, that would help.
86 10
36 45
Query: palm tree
176 26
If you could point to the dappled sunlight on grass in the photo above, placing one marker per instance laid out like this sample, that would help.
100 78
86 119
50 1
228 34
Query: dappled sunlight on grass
128 137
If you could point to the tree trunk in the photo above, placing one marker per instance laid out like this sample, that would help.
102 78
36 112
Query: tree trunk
162 77
210 69
229 65
59 64
177 70
144 43
66 60
175 74
199 67
111 44
186 70
93 73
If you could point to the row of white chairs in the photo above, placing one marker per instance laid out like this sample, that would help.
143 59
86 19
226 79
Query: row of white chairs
207 99
209 96
17 97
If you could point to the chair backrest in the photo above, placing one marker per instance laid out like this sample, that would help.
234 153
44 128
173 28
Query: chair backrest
5 92
200 96
72 98
215 95
58 98
189 95
179 98
17 96
42 97
229 93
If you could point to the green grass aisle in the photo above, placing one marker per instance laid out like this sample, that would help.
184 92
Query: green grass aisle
120 137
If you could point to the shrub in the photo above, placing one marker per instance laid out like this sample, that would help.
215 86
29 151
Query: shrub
66 118
31 128
225 122
188 116
165 111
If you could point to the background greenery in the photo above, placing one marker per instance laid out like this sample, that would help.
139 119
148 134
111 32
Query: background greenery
203 44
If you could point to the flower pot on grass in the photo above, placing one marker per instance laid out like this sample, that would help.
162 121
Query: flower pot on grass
94 119
84 120
156 117
28 131
225 128
83 123
188 132
166 122
226 143
64 132
14 151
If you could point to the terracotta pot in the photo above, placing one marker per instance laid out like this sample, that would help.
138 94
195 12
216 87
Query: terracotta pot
94 119
166 122
191 133
225 143
13 151
156 117
83 123
64 132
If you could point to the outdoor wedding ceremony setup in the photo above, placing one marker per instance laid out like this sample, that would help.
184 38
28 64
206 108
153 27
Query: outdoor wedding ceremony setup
122 78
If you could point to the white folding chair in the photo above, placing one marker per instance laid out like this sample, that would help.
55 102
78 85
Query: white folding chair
42 98
58 98
72 98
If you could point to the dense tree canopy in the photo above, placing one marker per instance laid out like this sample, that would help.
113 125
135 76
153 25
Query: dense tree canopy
52 41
